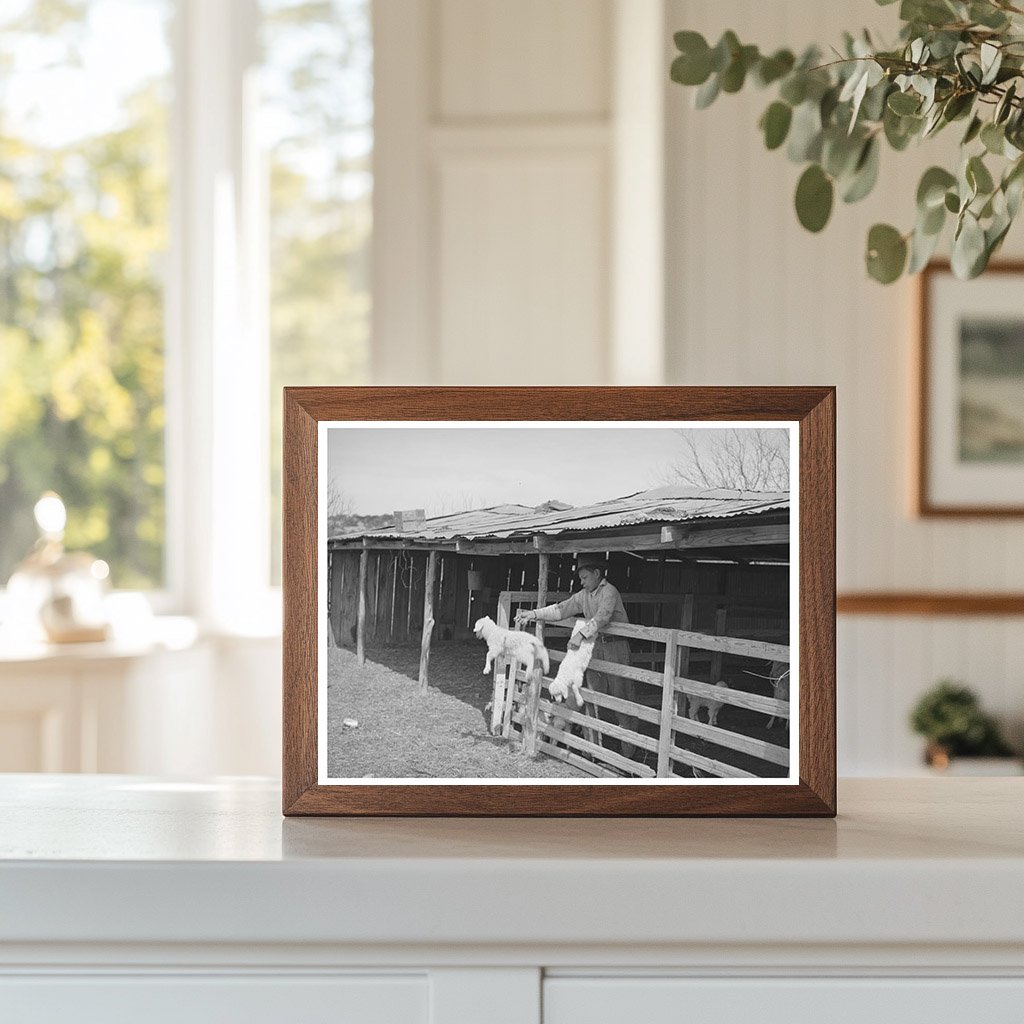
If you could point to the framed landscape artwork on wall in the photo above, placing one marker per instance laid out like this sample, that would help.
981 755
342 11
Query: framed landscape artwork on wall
970 445
559 601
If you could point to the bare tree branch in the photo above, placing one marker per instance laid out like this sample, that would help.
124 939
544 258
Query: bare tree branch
739 458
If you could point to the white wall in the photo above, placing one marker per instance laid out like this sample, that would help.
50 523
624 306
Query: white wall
214 709
506 141
754 299
506 255
501 156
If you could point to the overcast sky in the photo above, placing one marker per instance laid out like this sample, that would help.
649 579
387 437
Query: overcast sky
445 469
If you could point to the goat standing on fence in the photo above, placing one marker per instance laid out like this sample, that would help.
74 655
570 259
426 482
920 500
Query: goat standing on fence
600 603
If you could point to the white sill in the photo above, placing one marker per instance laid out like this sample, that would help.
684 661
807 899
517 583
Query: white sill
159 633
137 631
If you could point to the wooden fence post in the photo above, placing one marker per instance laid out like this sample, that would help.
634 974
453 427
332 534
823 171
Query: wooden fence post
716 656
685 623
361 613
336 585
668 706
428 619
542 588
501 708
533 693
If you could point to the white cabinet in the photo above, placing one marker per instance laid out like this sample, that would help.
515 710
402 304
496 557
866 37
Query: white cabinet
127 899
203 999
824 1000
175 705
100 707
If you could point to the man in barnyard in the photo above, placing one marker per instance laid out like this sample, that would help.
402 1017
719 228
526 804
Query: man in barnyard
599 603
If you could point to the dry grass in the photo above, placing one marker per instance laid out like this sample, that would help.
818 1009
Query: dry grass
405 734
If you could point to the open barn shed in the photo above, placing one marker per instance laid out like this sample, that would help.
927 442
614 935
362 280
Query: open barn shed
704 577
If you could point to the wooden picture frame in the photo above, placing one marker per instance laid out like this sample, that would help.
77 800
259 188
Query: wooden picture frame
808 790
956 475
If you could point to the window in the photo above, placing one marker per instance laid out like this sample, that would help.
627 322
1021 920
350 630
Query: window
317 116
83 237
185 220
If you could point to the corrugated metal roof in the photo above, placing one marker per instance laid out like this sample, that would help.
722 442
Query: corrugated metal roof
670 504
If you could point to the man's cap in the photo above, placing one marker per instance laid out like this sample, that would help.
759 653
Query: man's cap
591 562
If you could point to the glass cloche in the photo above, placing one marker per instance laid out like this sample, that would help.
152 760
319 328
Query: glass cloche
56 595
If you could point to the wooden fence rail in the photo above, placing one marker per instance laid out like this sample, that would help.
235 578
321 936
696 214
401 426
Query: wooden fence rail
519 710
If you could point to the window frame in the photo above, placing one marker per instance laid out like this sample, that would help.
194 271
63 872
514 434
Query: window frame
216 328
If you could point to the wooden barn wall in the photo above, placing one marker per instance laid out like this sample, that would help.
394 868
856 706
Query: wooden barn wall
756 599
343 601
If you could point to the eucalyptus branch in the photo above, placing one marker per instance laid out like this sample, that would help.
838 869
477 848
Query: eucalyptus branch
833 117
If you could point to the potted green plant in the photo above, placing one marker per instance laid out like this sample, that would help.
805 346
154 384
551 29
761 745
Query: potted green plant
955 62
950 718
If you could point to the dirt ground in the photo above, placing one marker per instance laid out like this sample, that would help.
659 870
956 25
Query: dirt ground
403 734
443 734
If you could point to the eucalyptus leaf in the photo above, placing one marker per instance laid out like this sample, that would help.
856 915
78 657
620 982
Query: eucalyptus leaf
944 44
865 173
958 105
978 176
856 89
933 122
1005 104
814 195
688 42
771 69
995 233
1014 191
932 220
735 74
1013 187
993 138
873 106
904 103
931 190
794 88
966 187
930 12
970 71
973 129
828 105
687 71
840 152
900 130
968 247
925 87
724 51
886 253
922 248
805 133
858 77
707 93
987 15
775 124
991 60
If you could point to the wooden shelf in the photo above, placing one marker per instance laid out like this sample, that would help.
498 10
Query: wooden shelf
928 603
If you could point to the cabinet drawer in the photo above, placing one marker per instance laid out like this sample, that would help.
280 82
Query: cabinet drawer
590 1000
202 999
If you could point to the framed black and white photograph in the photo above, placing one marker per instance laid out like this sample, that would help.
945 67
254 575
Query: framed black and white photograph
560 614
970 452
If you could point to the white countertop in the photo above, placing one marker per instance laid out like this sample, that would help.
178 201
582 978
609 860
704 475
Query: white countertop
122 859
